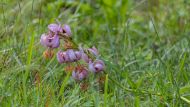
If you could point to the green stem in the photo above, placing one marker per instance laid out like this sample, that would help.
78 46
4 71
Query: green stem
106 91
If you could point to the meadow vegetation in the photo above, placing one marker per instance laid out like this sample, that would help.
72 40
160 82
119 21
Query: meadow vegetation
145 45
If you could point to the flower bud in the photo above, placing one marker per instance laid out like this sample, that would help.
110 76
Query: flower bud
93 51
50 41
85 57
96 66
78 55
68 56
80 73
48 54
71 55
67 30
62 57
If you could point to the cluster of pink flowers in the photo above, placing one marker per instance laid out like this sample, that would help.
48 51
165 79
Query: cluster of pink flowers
72 53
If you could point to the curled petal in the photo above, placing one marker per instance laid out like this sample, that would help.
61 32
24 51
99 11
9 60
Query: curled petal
50 41
91 67
71 55
66 57
78 55
67 30
85 58
99 65
43 39
55 28
62 57
96 66
55 42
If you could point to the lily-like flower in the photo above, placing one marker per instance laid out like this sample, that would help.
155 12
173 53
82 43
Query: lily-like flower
55 28
80 73
50 41
93 51
96 66
62 57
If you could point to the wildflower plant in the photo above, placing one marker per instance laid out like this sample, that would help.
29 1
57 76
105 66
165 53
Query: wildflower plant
86 60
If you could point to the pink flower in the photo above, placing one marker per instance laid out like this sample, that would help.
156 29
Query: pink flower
50 41
71 55
96 66
85 57
93 51
68 56
67 30
55 28
80 73
62 57
78 55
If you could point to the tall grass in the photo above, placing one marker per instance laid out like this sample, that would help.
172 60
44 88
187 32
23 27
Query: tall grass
144 43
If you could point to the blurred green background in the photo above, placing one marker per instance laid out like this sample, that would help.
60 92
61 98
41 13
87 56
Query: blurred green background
144 43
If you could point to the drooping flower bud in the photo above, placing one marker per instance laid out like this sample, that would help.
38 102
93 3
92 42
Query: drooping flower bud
50 41
93 51
67 30
80 73
62 57
96 66
68 56
71 55
85 57
55 28
78 55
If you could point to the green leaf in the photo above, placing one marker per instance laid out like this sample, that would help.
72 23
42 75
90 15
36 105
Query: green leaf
185 89
185 99
106 91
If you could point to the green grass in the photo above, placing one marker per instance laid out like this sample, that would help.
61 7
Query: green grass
144 43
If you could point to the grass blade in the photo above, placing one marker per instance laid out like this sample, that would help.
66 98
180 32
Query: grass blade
106 91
